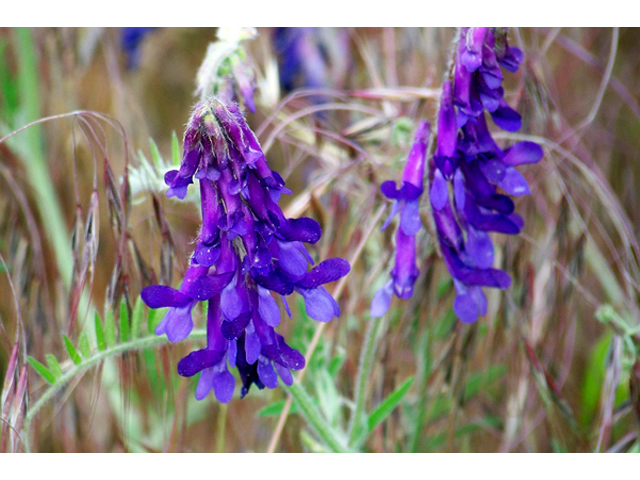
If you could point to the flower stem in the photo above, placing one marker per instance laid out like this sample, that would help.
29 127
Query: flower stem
316 420
362 379
96 358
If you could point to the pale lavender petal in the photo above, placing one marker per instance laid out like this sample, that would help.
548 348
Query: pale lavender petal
319 304
252 344
395 208
268 308
382 300
284 373
232 353
204 384
514 183
439 194
410 218
223 384
177 323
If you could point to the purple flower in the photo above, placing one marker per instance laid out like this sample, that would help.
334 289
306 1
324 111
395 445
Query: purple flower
246 251
405 272
477 169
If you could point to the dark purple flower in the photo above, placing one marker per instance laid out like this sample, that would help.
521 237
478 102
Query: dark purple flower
479 171
405 272
246 251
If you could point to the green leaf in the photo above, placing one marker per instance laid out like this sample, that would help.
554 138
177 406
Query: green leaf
71 350
136 318
100 340
84 346
155 153
274 409
54 365
42 370
125 327
388 405
175 149
110 329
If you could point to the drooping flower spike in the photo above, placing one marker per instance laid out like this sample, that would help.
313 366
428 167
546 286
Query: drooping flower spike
407 197
468 160
246 251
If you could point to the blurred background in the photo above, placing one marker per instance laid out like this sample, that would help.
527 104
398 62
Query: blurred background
85 225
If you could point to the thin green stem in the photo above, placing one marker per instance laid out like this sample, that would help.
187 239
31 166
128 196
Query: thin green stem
316 420
362 378
221 427
96 358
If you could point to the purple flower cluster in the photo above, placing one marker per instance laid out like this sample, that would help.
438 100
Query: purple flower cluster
407 197
246 250
468 163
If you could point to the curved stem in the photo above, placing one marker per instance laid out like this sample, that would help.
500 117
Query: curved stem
96 358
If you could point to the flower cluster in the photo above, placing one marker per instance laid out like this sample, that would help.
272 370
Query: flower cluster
405 272
246 251
468 160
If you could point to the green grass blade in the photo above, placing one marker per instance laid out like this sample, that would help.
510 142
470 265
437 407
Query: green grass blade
388 405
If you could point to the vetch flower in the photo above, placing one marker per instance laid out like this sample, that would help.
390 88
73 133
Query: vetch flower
405 272
478 171
246 251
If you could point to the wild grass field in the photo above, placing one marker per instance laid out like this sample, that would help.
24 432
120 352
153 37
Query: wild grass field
92 119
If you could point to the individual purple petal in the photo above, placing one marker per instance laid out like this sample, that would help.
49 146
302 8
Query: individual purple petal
395 208
292 260
512 59
276 281
410 222
493 169
514 183
389 190
458 189
206 286
465 308
319 304
382 300
267 374
284 374
507 118
301 229
223 383
206 255
480 248
439 194
251 344
523 152
159 296
268 308
327 271
199 360
204 384
177 323
289 357
231 330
